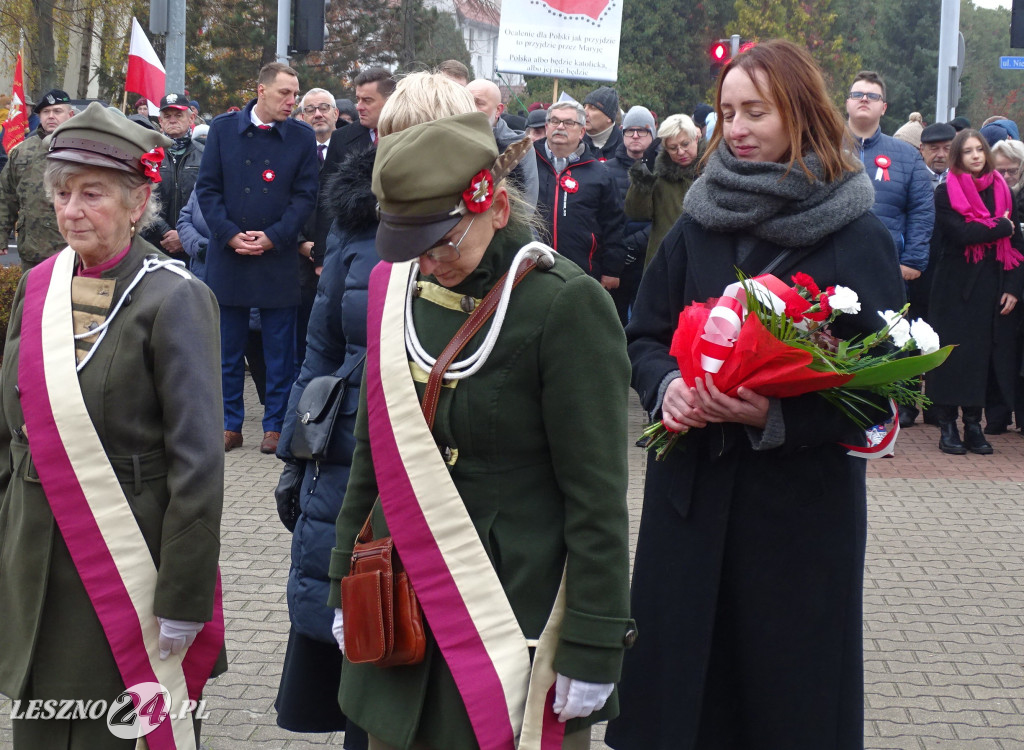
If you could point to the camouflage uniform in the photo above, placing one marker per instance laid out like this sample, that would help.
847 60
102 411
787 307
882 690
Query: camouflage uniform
24 205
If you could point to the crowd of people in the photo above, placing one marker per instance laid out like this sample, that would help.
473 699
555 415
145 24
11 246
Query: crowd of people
376 244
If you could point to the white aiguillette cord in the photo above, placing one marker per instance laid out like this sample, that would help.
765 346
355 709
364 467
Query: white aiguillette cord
471 364
151 263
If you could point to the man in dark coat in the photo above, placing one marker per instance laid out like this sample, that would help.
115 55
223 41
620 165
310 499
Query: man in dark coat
257 186
602 110
578 201
178 173
373 87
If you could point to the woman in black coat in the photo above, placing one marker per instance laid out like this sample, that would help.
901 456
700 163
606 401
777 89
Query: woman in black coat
748 578
978 280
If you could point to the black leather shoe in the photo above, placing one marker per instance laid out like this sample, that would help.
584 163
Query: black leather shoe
949 439
908 415
974 439
995 429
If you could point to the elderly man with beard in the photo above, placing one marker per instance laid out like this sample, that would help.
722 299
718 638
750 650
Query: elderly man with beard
578 200
178 173
23 203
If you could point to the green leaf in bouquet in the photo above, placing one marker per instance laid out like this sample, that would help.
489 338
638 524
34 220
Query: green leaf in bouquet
894 370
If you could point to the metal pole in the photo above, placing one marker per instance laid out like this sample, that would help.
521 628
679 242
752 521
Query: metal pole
284 27
949 30
175 61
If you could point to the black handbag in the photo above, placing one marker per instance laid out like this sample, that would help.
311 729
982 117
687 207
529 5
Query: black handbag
315 416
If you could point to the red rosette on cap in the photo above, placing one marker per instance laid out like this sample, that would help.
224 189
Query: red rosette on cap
151 161
480 193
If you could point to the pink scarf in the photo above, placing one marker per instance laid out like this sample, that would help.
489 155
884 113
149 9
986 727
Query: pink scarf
963 196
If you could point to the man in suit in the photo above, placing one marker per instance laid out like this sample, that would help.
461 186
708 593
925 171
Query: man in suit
373 87
257 186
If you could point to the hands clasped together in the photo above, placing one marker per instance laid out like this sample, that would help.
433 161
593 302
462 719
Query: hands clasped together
684 407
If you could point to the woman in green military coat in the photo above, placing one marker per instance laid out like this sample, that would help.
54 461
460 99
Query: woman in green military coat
113 483
533 443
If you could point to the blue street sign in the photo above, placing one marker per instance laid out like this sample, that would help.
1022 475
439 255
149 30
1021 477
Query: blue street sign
1011 63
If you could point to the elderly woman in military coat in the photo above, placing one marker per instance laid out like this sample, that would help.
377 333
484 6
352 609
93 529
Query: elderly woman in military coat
113 481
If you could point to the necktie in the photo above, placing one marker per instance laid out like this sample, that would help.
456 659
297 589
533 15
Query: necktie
322 148
263 127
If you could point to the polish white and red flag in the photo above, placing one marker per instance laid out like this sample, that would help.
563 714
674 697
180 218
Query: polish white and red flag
145 72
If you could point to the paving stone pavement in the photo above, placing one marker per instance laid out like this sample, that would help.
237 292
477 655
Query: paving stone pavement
944 599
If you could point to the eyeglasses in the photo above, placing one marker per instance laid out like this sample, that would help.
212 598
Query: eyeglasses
678 147
321 108
555 122
448 251
871 96
636 132
1012 173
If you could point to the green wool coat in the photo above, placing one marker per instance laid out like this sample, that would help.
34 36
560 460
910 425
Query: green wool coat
658 197
153 392
541 437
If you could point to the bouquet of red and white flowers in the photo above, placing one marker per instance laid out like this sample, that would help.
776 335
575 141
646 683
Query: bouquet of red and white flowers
775 340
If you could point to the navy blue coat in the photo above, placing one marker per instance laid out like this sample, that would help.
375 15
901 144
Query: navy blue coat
905 202
253 179
335 344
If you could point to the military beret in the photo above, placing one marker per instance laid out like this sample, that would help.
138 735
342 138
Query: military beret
427 177
50 98
938 132
101 138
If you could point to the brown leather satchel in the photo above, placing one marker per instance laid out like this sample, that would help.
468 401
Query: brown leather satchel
383 617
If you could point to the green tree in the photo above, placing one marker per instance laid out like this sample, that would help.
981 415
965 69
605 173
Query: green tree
813 24
986 89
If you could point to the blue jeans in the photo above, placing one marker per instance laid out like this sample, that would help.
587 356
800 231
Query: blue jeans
278 325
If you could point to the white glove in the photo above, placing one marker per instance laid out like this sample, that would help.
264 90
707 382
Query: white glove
338 628
177 635
575 699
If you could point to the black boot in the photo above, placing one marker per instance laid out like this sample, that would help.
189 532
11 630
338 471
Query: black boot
974 438
949 436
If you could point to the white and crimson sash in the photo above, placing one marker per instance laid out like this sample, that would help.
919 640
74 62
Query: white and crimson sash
455 582
92 513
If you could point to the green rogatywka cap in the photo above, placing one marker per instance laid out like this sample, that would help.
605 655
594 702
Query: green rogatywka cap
102 138
419 177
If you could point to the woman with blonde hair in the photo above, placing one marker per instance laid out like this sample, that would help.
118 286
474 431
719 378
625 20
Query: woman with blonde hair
748 578
658 197
1009 162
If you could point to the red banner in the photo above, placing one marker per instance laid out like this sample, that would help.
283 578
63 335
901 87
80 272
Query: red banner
16 125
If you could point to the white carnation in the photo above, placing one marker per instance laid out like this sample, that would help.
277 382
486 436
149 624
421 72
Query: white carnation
924 336
899 329
844 300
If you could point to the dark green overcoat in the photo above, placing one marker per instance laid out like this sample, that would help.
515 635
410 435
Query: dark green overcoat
153 391
541 437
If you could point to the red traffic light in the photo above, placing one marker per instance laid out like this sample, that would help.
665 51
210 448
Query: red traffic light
719 52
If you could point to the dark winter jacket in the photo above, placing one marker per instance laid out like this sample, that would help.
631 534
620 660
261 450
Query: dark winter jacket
611 146
177 181
964 309
194 234
581 212
335 344
659 196
904 202
747 585
635 229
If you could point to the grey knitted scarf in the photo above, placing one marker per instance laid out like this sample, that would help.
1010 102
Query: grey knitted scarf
753 197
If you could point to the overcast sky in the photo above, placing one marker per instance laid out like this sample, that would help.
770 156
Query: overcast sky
992 3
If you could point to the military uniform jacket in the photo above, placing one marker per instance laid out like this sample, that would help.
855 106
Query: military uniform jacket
23 202
153 392
252 179
540 434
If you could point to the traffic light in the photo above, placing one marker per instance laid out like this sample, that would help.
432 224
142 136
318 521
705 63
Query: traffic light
720 53
308 30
